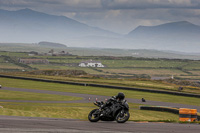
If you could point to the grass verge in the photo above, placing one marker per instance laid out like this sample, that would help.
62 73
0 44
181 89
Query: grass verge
30 96
136 83
98 91
77 111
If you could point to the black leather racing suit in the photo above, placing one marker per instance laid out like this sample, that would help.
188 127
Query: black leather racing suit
109 103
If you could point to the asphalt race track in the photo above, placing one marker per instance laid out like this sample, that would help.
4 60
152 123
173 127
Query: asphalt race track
33 124
26 124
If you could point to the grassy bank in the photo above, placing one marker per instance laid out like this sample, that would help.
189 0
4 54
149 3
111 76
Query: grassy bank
77 111
169 85
30 96
97 91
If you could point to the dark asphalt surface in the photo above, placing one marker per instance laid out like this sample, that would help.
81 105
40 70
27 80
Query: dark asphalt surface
27 124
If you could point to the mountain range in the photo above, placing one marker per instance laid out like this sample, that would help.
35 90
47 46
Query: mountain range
29 26
182 35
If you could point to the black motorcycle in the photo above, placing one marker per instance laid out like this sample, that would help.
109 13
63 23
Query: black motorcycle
118 111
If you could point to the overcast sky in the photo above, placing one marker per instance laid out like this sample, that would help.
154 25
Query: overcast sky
120 16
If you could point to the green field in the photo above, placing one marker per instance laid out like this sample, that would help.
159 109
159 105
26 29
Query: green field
76 110
116 67
97 91
15 95
137 83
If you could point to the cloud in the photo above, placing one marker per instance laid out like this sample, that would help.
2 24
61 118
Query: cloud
105 4
149 4
100 5
116 15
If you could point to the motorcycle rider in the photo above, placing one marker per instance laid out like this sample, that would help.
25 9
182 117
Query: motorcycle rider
118 98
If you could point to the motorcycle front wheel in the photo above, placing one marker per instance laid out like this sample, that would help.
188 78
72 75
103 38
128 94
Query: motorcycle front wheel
122 117
94 115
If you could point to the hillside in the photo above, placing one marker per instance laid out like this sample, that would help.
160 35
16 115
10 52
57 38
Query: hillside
30 26
183 36
51 44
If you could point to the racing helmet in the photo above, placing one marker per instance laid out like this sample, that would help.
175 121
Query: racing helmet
121 96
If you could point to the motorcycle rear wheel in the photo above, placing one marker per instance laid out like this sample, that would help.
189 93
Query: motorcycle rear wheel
121 118
92 117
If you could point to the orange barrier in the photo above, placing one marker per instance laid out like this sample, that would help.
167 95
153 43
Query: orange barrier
193 114
186 114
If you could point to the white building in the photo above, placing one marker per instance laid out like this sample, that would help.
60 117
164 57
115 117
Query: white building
91 63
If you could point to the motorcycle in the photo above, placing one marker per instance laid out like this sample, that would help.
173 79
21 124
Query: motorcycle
118 111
